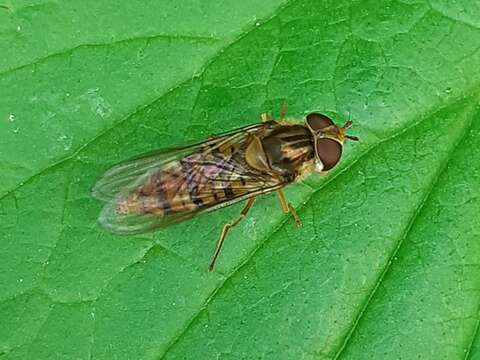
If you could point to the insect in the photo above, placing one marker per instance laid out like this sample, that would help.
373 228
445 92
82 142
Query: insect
167 186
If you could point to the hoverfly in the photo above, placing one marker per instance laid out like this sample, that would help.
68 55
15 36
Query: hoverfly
170 185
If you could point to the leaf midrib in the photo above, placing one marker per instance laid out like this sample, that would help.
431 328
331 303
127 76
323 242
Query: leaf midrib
406 233
474 335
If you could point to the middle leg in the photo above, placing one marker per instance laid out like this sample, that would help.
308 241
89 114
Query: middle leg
287 207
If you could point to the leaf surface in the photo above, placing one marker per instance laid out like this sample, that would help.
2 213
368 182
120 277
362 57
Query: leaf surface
386 265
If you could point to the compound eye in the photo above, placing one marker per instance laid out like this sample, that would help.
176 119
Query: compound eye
317 121
329 152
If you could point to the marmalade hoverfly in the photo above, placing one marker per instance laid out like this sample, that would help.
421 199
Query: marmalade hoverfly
158 189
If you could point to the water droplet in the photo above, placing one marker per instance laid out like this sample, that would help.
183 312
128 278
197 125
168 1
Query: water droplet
98 104
448 90
21 280
19 28
11 117
67 142
257 24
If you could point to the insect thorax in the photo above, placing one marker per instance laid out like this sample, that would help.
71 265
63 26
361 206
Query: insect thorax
286 150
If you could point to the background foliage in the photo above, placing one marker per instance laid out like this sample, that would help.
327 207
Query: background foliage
386 265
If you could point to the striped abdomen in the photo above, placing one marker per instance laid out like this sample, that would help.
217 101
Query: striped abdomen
195 182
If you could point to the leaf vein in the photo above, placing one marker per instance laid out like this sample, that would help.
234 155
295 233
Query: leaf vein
282 225
475 333
401 241
106 131
70 51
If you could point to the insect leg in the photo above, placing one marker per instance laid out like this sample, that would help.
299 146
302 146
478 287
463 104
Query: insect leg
225 229
265 117
287 207
283 110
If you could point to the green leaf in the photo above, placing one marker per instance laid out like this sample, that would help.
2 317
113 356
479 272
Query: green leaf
386 265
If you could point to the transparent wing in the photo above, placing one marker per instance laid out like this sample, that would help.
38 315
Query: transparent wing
129 173
138 223
169 186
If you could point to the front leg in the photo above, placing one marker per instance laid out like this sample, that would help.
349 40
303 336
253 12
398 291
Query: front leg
283 110
266 118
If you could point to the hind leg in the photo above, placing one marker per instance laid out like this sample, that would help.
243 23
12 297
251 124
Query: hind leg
227 227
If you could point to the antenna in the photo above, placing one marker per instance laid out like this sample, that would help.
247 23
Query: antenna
348 125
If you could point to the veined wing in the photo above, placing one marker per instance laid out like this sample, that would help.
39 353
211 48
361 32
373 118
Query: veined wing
131 172
170 186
